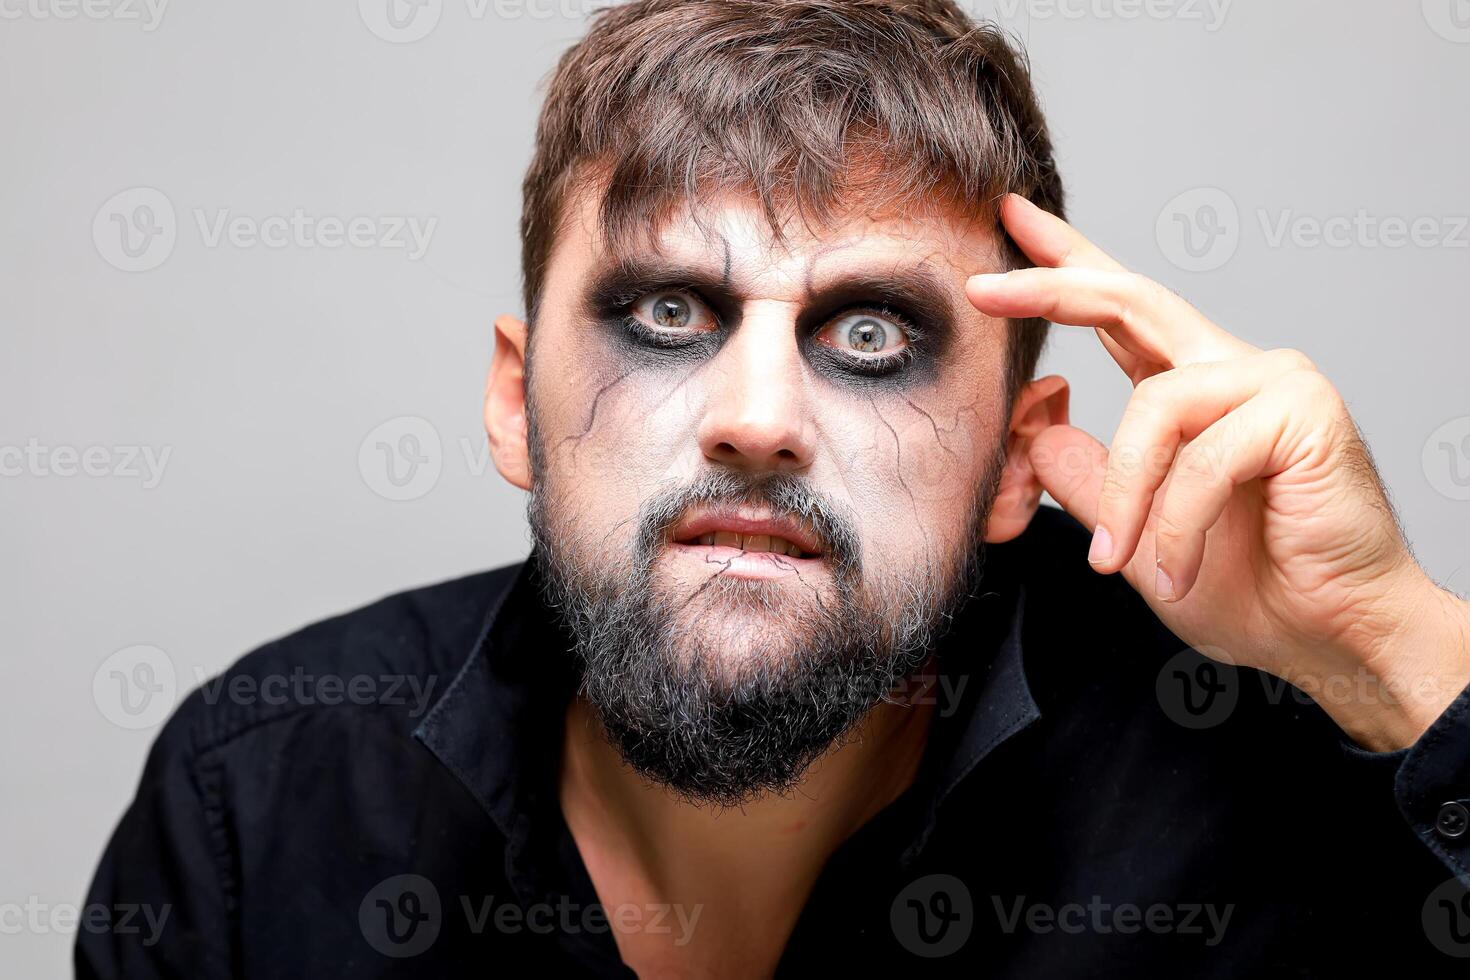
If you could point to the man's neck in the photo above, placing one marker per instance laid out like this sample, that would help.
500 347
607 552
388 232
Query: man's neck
749 870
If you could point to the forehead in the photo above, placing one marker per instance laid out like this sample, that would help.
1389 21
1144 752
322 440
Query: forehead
729 234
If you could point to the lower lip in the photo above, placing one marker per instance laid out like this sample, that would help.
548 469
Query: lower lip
734 563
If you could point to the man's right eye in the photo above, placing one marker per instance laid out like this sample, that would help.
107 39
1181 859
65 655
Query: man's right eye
674 312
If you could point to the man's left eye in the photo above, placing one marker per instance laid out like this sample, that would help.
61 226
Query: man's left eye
864 333
674 311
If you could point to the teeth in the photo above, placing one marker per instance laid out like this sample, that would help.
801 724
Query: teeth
758 543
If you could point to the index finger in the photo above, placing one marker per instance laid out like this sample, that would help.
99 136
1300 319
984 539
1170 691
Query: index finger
1146 320
1048 240
1144 326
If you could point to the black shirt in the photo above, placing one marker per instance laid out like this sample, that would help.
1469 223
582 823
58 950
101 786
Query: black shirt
376 795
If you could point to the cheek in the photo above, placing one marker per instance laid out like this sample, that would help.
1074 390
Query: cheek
911 462
613 430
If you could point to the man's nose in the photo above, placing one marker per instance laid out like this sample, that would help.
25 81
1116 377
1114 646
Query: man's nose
756 417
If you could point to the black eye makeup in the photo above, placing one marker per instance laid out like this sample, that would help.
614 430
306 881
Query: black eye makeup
870 340
891 328
858 330
661 312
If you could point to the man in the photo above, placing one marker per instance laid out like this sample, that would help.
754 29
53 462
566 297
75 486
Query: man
800 674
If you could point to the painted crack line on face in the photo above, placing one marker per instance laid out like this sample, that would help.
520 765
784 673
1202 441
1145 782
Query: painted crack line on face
933 425
592 413
779 560
898 474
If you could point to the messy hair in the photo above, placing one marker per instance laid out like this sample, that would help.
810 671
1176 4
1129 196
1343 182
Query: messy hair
807 106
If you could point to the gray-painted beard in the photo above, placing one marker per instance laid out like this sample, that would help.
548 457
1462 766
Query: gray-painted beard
658 670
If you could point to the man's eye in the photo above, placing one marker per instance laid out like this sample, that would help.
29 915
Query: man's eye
674 311
864 334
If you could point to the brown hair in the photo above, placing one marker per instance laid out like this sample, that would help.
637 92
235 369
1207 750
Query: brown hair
803 104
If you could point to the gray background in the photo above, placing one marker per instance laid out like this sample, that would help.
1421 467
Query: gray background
263 370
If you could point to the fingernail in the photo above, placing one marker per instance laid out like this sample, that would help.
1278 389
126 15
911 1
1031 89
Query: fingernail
989 278
1163 585
1102 546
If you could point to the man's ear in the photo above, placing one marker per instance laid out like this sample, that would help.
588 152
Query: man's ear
1040 404
505 403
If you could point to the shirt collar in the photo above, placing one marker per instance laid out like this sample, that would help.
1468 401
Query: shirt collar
500 721
498 727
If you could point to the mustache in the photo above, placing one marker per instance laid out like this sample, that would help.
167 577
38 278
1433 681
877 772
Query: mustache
782 493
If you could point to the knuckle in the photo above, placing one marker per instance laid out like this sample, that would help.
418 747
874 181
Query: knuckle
1312 386
1153 395
1129 293
1292 359
1196 467
1142 284
1115 484
1169 529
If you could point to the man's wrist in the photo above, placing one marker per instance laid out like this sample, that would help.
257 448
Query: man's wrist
1413 669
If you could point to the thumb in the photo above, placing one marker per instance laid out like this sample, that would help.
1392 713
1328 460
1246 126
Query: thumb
1070 465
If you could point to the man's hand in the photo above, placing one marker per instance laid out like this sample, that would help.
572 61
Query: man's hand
1237 496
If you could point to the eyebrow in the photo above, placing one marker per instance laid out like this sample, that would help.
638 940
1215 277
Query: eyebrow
916 291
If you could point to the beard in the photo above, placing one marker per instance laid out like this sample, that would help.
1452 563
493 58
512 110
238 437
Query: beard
729 690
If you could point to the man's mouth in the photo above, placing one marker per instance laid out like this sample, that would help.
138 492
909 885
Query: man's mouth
747 543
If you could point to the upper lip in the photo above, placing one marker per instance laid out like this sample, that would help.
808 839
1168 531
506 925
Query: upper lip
747 522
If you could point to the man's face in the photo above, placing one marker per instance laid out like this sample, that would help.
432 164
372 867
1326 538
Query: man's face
760 472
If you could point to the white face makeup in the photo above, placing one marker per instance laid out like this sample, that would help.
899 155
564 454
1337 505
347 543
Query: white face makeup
760 472
849 360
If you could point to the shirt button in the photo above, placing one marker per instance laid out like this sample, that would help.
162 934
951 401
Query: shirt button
1453 820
